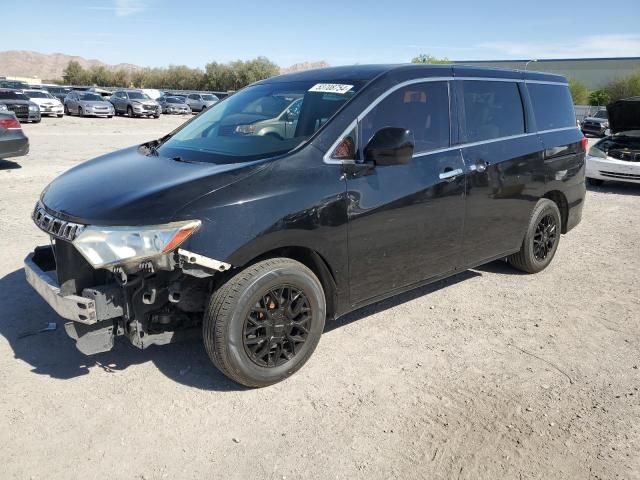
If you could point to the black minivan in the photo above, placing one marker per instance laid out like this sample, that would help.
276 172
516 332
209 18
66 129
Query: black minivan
253 223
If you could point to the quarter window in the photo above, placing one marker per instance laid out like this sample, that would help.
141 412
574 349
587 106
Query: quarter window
552 106
422 108
491 110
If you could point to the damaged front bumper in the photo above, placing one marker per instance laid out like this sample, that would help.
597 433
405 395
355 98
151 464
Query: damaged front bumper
148 307
92 314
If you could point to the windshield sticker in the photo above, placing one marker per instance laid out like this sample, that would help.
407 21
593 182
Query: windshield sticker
331 88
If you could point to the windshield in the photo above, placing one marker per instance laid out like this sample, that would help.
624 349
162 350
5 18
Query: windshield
173 100
91 97
210 98
12 96
249 125
138 96
601 114
38 95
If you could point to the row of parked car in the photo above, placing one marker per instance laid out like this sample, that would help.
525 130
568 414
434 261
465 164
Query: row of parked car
30 104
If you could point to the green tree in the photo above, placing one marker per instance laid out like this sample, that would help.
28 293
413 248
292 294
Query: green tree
74 74
624 87
425 58
579 92
599 97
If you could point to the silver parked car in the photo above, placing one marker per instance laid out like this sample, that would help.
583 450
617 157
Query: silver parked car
276 116
87 103
135 103
201 101
174 105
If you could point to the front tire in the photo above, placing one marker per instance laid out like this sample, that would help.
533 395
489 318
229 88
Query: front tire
130 112
541 240
264 323
80 112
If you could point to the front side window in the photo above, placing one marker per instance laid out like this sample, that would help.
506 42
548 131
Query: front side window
248 125
210 98
91 97
139 96
422 108
491 110
552 106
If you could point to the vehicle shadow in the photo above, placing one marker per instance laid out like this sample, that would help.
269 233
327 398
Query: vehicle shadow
54 354
620 188
399 300
501 267
23 312
9 165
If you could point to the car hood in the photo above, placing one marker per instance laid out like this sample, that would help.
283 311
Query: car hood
16 102
148 103
624 115
128 187
45 101
595 119
94 103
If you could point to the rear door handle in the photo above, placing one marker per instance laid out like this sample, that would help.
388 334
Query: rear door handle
451 174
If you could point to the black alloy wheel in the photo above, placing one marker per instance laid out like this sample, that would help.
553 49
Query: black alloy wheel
541 240
265 321
277 326
545 237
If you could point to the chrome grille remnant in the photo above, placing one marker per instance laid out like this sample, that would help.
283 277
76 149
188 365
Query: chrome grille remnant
54 226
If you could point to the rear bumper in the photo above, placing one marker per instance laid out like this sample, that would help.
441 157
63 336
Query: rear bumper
41 278
613 169
17 147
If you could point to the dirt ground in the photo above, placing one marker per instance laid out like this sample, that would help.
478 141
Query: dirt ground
489 374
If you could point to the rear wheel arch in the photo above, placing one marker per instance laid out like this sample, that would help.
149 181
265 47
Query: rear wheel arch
559 198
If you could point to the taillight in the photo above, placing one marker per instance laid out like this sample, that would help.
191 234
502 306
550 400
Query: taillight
584 143
10 124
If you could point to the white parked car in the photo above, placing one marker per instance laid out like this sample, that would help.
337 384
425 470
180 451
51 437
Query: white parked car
617 156
48 104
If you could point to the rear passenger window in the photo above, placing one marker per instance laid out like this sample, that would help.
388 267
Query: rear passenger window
552 106
422 108
491 110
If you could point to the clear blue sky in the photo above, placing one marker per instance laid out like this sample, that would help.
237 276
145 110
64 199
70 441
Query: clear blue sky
163 32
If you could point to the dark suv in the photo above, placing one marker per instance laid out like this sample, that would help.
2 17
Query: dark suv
390 177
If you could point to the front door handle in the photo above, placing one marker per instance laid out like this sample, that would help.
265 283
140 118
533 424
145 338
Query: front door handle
450 174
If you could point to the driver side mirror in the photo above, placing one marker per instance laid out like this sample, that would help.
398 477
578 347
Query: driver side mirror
390 146
289 117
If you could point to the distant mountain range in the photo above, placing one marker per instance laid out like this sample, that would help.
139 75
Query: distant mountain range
49 66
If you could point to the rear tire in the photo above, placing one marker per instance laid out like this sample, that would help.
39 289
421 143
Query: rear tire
596 182
541 240
264 323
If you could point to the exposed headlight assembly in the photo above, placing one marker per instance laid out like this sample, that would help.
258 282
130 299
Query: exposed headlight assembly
596 152
33 108
109 246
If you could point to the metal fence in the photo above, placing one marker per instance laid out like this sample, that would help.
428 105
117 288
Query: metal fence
583 111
